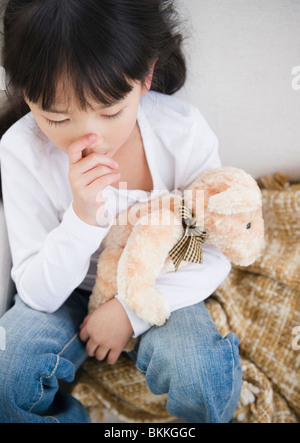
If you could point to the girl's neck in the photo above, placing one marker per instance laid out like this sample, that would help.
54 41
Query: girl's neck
133 163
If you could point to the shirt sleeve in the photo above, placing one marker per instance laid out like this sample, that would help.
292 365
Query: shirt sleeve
50 257
193 283
190 285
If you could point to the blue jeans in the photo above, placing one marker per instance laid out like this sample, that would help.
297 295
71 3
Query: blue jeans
187 358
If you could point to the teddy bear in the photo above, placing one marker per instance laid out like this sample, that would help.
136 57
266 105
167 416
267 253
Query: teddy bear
222 207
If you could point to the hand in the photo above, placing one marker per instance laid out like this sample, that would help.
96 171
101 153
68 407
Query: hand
88 177
106 331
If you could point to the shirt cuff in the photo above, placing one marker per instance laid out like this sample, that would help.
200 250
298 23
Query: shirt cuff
138 325
83 230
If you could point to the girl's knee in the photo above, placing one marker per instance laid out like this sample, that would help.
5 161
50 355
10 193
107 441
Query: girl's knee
29 382
203 385
18 381
210 384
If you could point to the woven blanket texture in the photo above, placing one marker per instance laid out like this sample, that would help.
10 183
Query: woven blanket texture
261 304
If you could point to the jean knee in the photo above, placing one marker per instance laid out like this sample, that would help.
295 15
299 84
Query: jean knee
215 385
13 386
233 377
204 385
20 383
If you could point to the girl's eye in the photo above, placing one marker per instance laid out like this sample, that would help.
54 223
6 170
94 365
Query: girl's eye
114 116
56 123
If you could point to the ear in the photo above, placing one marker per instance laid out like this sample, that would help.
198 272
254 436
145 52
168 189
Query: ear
235 200
148 80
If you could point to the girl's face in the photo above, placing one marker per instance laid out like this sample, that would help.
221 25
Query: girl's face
65 124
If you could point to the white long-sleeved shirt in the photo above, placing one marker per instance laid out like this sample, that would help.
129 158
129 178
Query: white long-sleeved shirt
54 252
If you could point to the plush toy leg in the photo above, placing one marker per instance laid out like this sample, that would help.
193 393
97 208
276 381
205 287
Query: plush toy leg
142 261
106 281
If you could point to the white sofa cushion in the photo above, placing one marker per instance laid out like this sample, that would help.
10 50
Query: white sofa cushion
6 286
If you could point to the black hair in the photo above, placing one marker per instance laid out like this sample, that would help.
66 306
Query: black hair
101 46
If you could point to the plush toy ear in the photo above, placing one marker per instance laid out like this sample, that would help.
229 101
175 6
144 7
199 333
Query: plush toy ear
235 200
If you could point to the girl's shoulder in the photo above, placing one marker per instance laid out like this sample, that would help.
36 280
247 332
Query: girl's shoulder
160 105
176 119
26 127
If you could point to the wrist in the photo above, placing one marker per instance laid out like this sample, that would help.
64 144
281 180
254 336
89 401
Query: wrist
138 325
83 216
125 315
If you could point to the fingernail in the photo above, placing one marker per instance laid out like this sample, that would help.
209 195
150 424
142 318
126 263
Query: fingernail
93 137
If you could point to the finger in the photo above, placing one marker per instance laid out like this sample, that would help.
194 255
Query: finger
101 353
113 357
93 160
97 173
76 148
85 321
83 335
91 348
102 182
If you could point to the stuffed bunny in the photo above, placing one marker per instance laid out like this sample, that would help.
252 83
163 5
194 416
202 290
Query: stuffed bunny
223 207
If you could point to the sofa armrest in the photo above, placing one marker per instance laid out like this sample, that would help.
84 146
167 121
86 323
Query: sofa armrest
7 288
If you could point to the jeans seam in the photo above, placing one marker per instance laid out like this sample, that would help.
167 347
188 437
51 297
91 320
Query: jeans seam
41 384
51 375
141 370
53 418
233 368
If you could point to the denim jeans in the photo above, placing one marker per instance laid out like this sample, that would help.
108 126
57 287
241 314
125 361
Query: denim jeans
187 358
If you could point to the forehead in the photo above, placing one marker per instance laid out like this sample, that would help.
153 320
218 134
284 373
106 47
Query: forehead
66 101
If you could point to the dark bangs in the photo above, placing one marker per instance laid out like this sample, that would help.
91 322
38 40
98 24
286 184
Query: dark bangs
77 43
91 49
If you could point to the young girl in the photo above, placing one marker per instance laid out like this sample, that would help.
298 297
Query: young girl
97 76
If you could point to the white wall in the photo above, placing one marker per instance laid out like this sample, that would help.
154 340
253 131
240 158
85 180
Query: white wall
241 54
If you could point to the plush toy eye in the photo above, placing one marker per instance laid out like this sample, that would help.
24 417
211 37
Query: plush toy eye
249 225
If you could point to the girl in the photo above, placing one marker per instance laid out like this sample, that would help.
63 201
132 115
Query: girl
96 76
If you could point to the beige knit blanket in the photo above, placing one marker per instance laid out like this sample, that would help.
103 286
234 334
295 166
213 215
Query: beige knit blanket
260 304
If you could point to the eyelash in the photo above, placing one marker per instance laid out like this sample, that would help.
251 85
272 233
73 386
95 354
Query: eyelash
109 117
53 123
114 116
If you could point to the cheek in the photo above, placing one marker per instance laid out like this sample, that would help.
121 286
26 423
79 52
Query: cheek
62 138
120 132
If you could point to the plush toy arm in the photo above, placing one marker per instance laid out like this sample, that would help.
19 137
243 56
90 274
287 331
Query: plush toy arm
142 261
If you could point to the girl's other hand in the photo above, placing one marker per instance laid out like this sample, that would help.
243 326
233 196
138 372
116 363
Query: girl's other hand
106 332
88 177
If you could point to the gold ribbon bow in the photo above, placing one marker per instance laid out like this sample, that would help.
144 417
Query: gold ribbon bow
189 247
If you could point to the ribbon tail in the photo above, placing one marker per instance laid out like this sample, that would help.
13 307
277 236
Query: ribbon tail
178 252
194 251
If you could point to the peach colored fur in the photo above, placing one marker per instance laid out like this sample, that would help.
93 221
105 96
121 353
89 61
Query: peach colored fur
136 254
